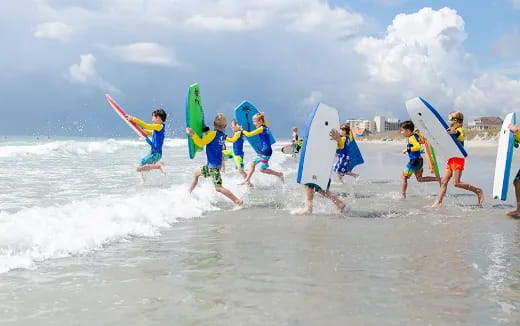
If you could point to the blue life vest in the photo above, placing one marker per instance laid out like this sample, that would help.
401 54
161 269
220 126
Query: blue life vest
157 140
238 146
265 141
214 150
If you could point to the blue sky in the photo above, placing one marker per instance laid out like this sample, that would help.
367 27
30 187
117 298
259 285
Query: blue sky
363 57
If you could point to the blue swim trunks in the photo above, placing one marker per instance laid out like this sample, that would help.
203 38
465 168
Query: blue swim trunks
415 166
151 158
263 160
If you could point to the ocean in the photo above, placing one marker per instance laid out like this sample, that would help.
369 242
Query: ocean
83 241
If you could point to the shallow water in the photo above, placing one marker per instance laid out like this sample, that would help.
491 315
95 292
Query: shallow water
134 254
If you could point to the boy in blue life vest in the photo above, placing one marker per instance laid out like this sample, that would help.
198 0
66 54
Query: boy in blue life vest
237 153
265 139
213 140
415 165
156 130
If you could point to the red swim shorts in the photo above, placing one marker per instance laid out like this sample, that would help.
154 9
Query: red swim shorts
456 163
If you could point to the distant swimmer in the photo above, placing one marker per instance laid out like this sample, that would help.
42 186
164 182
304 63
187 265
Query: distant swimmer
156 130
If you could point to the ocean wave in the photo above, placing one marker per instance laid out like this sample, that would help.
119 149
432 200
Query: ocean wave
39 233
78 147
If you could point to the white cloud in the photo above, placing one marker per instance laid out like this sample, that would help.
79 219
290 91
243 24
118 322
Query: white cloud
314 98
144 53
54 30
217 23
85 73
490 94
508 45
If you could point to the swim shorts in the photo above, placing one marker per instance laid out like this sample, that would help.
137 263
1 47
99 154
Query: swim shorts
414 166
456 164
151 158
214 173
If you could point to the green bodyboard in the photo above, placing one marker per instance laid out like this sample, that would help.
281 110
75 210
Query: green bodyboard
194 117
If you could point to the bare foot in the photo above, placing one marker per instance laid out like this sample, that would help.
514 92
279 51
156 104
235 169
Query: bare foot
341 207
403 196
161 167
436 204
480 196
515 214
303 211
282 178
239 204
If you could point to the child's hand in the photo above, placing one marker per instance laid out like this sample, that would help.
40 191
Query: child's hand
512 127
190 131
405 150
334 135
129 118
451 131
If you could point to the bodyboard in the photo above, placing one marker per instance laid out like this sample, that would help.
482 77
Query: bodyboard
505 147
244 113
194 117
318 151
120 112
434 129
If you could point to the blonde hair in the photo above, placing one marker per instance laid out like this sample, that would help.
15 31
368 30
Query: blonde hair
259 115
456 118
220 121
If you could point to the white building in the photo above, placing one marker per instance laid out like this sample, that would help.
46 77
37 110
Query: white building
384 124
368 125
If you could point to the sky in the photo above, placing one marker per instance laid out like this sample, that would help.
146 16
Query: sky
365 57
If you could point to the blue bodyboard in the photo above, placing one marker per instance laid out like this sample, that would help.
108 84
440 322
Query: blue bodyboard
244 113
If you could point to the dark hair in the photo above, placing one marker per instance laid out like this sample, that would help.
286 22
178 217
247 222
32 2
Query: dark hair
345 127
408 125
160 114
205 128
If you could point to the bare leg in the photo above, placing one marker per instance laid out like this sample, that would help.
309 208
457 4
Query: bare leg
339 203
273 172
442 189
352 174
309 197
459 184
516 213
404 185
149 167
249 172
230 195
427 179
244 175
195 180
340 178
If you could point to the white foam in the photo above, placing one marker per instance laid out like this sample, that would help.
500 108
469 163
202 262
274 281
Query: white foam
78 147
38 233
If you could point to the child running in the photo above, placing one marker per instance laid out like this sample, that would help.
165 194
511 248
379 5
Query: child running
311 188
516 213
455 165
237 153
263 132
213 140
415 165
341 167
156 130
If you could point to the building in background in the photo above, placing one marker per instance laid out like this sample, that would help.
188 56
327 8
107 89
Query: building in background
383 124
358 124
485 123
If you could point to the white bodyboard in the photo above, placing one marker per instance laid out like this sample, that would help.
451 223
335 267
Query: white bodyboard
433 127
504 157
318 151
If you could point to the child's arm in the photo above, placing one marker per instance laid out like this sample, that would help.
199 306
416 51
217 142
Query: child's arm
414 145
144 125
201 142
235 137
255 132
